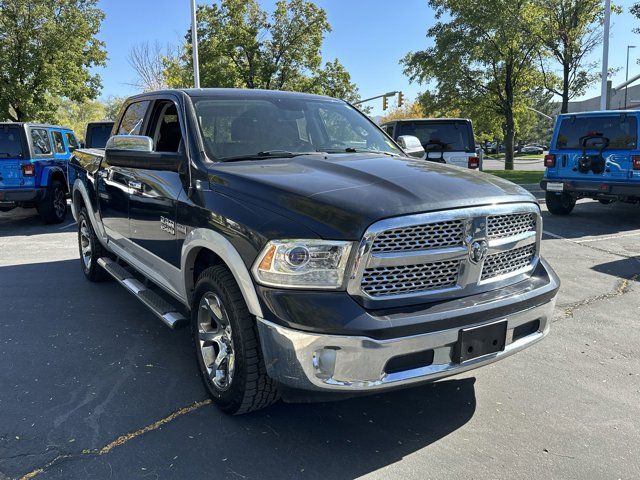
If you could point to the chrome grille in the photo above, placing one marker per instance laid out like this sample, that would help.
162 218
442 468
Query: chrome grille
501 226
421 237
405 279
434 255
507 262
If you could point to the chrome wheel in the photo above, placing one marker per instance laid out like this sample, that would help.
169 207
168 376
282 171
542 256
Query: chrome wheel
59 202
215 341
85 244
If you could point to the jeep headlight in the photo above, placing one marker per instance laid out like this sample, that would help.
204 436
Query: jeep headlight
302 264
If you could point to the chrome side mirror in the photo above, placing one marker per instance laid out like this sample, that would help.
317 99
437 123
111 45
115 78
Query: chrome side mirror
137 143
411 145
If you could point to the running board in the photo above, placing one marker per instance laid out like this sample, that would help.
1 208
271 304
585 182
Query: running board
164 310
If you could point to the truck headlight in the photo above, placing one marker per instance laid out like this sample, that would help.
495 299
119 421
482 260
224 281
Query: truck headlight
302 264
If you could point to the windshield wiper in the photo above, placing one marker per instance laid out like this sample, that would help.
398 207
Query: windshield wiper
266 154
356 150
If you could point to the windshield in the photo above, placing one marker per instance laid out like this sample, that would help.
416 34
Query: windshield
620 130
439 135
249 126
10 143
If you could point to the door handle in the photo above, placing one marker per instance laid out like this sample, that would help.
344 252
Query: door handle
135 185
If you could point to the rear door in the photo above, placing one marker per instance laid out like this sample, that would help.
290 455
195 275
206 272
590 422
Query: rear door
13 152
113 182
595 147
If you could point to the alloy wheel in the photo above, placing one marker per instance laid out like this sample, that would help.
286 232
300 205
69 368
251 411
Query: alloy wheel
85 244
215 341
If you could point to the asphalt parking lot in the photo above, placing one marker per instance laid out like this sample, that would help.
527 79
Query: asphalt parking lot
93 386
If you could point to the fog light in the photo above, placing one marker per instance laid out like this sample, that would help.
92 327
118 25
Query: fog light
324 361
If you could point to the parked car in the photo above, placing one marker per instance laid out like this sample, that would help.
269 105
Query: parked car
445 140
532 149
309 255
33 168
593 155
97 134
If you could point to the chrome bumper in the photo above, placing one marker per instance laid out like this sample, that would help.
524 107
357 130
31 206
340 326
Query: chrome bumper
309 361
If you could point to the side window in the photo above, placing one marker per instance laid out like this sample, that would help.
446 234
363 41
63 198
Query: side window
389 130
71 141
133 118
166 133
58 142
40 141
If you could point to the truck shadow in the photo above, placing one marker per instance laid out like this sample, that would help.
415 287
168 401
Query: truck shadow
109 367
27 222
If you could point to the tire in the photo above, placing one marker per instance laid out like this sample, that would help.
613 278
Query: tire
227 347
606 201
560 204
53 209
90 250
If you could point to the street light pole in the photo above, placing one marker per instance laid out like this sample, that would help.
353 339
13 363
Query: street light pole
626 79
194 45
605 54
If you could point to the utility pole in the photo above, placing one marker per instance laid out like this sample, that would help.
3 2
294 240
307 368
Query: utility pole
194 45
626 77
605 54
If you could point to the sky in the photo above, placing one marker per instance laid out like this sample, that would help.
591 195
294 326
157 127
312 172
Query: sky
369 37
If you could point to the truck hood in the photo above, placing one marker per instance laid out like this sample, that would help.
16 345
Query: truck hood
338 196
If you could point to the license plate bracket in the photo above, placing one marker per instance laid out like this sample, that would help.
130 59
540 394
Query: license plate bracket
555 186
478 341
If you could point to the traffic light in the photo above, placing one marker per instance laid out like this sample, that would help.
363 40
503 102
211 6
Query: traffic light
400 99
384 102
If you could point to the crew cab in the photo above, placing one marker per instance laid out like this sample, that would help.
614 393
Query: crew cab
307 253
445 140
34 160
592 155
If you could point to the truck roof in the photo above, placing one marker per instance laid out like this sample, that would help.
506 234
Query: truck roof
30 124
598 112
248 92
406 120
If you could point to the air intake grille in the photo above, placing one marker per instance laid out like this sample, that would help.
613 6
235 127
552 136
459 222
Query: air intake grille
421 237
501 226
410 278
507 262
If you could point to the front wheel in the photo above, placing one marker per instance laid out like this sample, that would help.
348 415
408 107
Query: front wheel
227 345
53 209
560 203
90 249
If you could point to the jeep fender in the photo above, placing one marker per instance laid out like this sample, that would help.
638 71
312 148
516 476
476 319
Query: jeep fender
215 242
48 173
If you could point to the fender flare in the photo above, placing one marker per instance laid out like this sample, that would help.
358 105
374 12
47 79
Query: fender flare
48 172
79 187
211 240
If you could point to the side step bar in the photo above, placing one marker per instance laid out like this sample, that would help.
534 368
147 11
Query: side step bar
164 310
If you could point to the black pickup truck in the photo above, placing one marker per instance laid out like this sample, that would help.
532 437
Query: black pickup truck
309 255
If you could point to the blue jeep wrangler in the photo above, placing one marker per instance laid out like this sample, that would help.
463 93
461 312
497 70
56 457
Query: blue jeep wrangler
34 168
593 155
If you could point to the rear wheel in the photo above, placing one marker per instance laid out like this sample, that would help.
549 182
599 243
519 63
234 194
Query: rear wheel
560 203
90 249
53 209
227 345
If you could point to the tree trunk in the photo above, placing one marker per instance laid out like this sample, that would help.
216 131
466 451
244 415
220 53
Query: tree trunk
509 124
565 89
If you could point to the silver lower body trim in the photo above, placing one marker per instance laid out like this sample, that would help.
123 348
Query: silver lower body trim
309 361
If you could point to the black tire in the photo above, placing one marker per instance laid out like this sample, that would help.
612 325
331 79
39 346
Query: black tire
560 203
248 387
53 208
90 250
606 201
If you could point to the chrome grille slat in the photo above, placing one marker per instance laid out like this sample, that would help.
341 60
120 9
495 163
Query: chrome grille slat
501 226
394 280
421 237
510 261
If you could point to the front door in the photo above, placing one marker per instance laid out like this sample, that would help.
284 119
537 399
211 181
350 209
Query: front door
154 194
114 183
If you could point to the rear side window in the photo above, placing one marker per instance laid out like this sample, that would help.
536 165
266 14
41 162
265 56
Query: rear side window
40 141
10 143
388 129
133 118
620 130
58 142
97 136
71 141
440 136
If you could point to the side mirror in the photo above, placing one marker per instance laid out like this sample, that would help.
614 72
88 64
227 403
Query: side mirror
136 151
411 146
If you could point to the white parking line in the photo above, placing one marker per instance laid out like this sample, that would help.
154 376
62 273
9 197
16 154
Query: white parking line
612 237
553 235
67 226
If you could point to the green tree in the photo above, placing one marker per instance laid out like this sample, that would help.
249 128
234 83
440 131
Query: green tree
568 30
482 53
46 50
240 45
76 115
